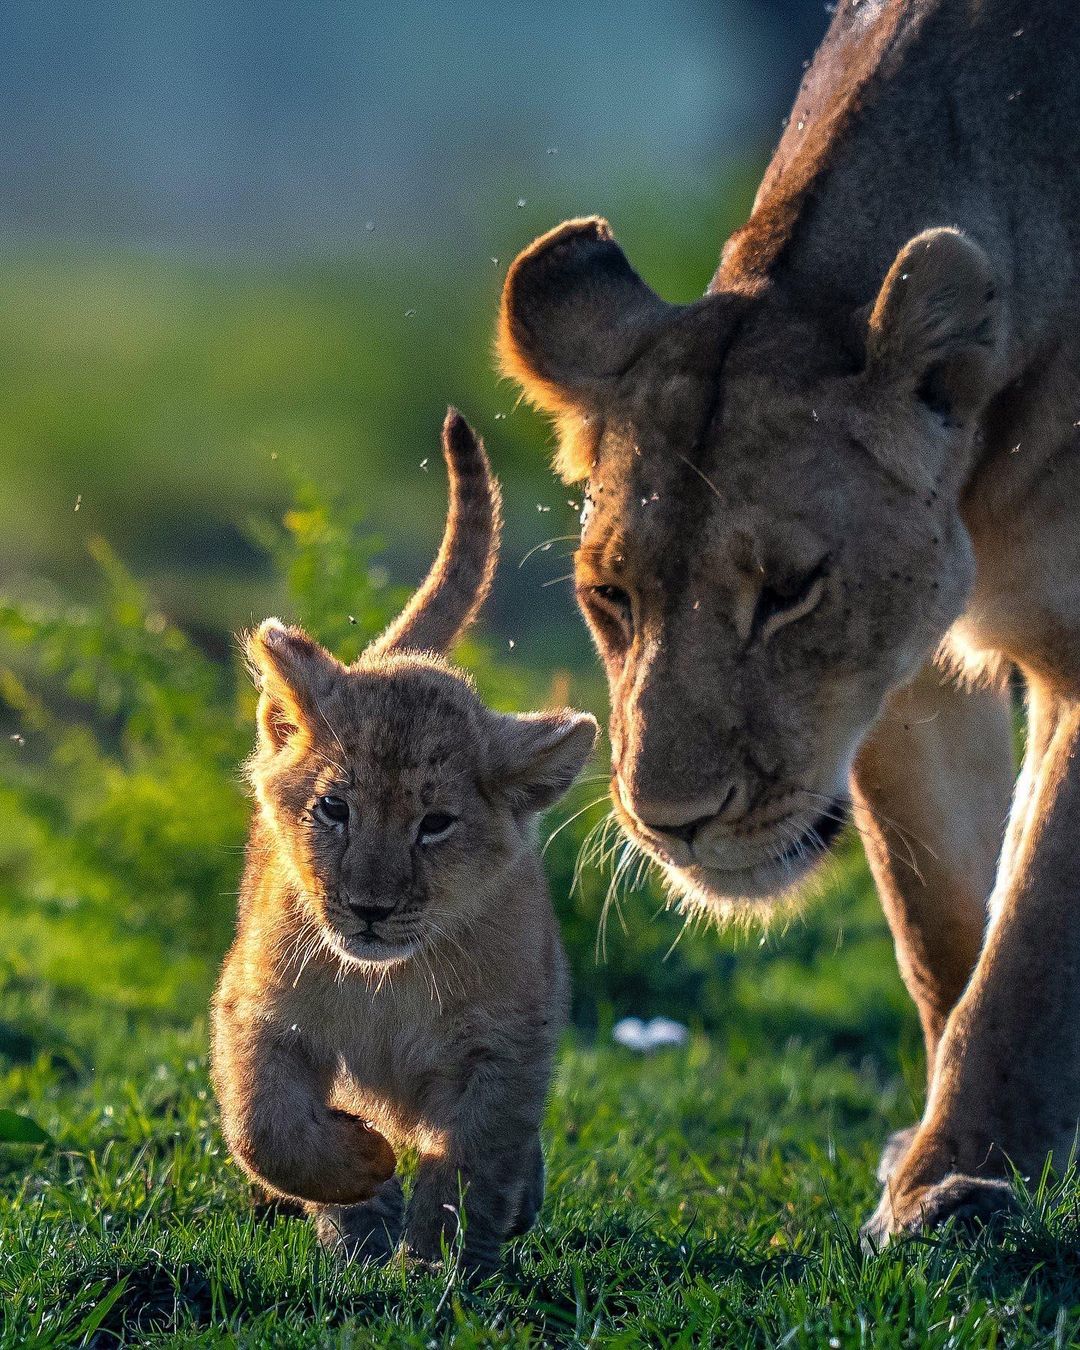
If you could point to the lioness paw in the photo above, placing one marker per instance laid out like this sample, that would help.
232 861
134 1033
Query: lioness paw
971 1202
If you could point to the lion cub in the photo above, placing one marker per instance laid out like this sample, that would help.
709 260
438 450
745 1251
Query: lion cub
397 976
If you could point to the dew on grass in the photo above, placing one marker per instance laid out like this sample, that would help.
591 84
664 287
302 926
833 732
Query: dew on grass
424 464
78 501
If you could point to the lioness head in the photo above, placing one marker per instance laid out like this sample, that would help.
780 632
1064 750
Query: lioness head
396 799
771 537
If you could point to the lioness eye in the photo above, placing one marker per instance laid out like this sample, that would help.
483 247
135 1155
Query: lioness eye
435 825
777 605
335 809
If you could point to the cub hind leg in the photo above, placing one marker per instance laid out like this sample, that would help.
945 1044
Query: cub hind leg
369 1232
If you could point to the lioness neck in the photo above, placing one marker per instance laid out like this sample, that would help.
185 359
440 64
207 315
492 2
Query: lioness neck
917 113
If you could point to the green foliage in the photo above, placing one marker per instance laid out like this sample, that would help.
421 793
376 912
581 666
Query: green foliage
329 565
17 1129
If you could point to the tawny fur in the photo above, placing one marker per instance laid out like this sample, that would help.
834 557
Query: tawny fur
830 507
396 982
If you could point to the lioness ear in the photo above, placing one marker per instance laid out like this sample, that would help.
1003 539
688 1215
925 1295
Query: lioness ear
574 315
536 757
934 328
293 674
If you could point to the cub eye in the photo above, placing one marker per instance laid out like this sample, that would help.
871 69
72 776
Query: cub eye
435 825
335 809
615 603
780 605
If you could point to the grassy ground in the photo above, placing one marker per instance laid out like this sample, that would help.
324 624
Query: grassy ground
706 1195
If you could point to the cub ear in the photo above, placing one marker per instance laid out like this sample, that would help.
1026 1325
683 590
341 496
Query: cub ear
535 757
293 675
934 329
574 315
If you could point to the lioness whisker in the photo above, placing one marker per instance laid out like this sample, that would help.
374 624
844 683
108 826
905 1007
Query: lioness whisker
570 820
905 836
546 544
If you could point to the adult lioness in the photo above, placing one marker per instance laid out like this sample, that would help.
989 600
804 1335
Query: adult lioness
824 495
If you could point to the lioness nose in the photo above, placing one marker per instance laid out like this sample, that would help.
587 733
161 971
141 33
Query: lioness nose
684 832
370 913
682 820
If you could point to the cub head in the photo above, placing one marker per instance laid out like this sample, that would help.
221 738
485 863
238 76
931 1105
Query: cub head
396 800
771 537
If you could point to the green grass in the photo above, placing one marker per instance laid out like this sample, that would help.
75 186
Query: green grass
701 1196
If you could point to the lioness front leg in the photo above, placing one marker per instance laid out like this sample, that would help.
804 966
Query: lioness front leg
1006 1088
931 786
274 1113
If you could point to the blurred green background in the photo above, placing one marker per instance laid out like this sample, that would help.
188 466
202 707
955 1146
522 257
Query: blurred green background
250 257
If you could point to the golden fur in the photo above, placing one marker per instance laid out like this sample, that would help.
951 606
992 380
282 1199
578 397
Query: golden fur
397 977
828 507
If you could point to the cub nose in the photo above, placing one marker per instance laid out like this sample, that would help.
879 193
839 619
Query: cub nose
370 914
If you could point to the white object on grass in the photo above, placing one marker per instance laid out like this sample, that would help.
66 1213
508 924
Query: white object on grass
647 1036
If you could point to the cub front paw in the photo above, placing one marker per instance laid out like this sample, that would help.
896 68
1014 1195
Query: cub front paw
971 1201
357 1160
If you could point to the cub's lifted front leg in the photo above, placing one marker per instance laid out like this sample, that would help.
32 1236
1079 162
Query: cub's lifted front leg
279 1128
1006 1086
